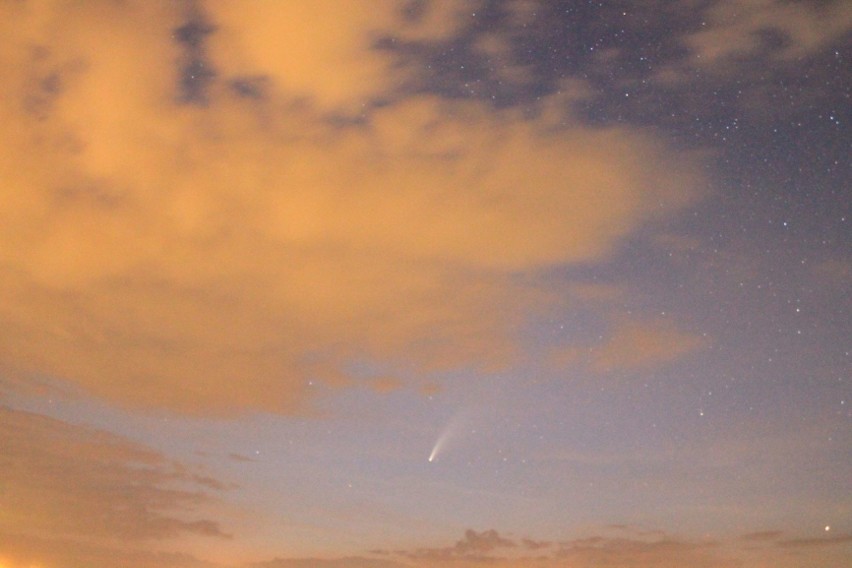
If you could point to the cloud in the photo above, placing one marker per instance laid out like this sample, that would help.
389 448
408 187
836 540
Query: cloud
535 544
642 549
385 384
627 552
834 540
738 29
217 257
348 562
654 550
239 458
643 345
762 536
27 551
323 51
62 479
304 48
483 542
498 51
631 345
476 545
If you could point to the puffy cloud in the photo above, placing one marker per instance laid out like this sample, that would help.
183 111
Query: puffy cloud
217 257
62 479
322 51
317 50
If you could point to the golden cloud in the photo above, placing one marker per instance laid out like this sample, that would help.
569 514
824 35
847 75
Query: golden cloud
216 257
321 51
61 479
643 345
27 551
631 345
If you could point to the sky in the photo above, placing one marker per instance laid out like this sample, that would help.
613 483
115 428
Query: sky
421 283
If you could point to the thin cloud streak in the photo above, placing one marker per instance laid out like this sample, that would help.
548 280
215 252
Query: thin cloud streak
63 479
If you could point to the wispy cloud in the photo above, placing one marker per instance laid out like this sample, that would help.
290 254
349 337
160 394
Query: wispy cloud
88 485
632 345
833 540
785 30
762 536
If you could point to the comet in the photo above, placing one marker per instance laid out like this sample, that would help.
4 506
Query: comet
437 447
447 434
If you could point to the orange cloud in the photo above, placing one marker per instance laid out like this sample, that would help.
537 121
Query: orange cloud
26 551
215 258
631 345
349 562
643 345
321 51
737 29
60 479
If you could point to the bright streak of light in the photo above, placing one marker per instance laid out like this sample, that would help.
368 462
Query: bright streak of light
448 433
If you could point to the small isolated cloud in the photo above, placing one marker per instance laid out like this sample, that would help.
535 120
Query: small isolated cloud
644 345
632 345
478 545
62 479
531 544
240 458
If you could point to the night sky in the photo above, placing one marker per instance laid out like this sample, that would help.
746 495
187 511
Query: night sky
389 284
